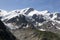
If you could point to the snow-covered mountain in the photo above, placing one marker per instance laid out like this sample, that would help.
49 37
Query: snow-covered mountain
28 17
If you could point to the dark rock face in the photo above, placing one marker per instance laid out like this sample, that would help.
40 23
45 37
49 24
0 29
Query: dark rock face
4 33
58 17
17 11
18 20
51 15
58 14
30 9
38 18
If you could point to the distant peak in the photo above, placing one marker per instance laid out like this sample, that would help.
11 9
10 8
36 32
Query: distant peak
29 8
1 10
46 11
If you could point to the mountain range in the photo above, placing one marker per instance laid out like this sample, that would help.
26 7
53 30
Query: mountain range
28 17
30 24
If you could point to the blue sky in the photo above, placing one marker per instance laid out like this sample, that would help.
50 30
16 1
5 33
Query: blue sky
51 5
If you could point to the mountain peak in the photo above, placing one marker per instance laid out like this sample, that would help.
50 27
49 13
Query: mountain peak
29 8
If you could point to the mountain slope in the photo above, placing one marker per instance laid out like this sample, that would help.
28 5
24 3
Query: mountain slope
5 34
34 34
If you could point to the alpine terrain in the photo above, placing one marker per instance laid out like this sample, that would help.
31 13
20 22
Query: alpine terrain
30 24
